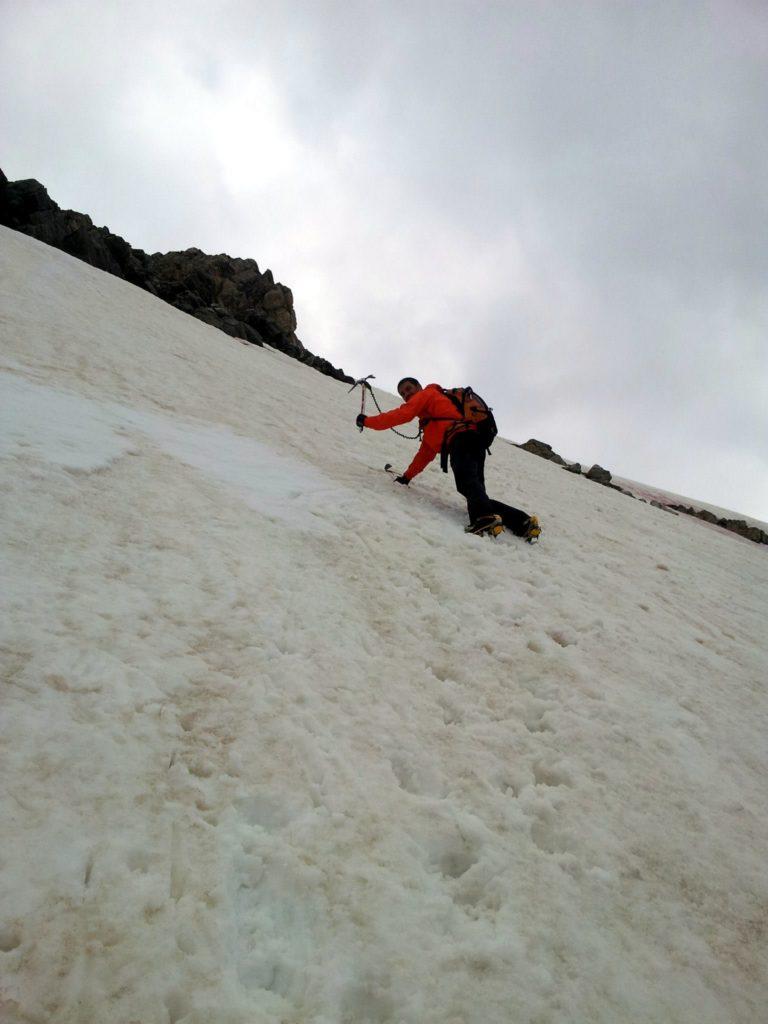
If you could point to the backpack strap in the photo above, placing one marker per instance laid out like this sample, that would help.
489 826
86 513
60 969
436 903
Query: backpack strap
458 402
455 400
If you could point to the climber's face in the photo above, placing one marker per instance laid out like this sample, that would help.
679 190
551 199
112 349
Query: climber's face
408 389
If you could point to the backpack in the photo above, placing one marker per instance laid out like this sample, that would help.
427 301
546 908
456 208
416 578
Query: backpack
476 413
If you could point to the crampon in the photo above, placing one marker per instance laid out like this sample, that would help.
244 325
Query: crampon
486 526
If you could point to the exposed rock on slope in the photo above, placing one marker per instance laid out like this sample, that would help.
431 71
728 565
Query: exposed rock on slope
739 526
26 206
599 475
603 476
228 293
543 450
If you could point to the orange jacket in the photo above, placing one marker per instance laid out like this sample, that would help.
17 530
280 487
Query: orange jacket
436 414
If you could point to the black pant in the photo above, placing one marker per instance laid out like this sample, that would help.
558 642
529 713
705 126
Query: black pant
467 456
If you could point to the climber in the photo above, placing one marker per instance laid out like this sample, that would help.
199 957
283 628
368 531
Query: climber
448 428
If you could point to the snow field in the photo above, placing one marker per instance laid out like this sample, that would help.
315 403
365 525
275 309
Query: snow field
282 744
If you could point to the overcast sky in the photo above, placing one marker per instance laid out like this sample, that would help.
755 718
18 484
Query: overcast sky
563 204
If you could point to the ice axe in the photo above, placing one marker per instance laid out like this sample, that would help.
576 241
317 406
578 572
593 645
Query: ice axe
399 478
365 387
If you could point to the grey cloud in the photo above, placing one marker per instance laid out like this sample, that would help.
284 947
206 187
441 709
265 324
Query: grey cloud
561 203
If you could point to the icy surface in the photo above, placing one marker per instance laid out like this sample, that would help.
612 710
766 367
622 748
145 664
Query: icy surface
79 434
281 744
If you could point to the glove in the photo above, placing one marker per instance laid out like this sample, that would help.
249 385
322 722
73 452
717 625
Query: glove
360 421
402 480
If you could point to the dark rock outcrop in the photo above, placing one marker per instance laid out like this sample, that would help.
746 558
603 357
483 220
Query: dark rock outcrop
753 533
26 206
603 476
543 450
599 475
596 473
225 292
664 508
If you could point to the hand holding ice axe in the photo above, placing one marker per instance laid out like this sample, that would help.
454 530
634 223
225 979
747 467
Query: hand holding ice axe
363 382
402 479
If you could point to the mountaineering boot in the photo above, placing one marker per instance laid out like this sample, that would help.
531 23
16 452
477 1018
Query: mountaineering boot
532 530
490 525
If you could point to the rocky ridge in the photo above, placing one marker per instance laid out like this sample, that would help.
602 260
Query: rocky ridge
603 476
229 293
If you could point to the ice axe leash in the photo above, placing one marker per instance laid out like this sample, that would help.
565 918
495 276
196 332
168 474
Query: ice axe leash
366 387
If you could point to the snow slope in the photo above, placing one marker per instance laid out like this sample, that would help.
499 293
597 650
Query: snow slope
281 744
